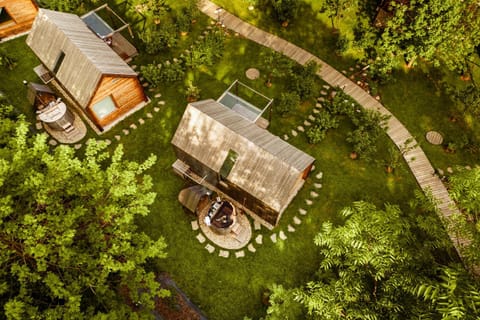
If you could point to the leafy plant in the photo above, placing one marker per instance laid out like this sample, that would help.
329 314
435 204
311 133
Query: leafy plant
160 38
303 80
171 72
192 92
286 102
151 73
6 60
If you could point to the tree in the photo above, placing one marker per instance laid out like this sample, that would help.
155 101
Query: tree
277 64
323 122
69 247
286 102
285 10
333 8
303 80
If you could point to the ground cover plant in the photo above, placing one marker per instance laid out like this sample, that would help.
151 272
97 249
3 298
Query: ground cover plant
232 288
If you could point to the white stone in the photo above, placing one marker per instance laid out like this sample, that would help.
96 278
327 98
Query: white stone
194 225
344 71
108 142
302 211
201 238
256 225
440 172
313 167
333 94
311 117
158 95
156 109
134 66
133 126
259 239
161 102
321 99
145 84
52 142
301 129
125 132
141 121
468 167
77 146
38 126
296 220
319 175
316 111
290 228
210 248
282 235
308 202
118 137
317 185
318 105
273 237
151 90
307 123
149 115
285 137
251 248
294 133
326 86
141 79
223 253
449 170
240 254
313 194
323 92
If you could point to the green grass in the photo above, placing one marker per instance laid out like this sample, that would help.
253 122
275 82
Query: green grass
232 288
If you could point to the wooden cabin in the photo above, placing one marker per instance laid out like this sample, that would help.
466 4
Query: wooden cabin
92 74
222 150
16 16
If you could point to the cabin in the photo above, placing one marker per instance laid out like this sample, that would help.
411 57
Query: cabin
100 82
229 154
16 16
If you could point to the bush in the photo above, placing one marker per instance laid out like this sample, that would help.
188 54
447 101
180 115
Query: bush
286 102
207 51
323 123
151 73
160 39
303 80
285 10
192 92
342 104
7 61
315 135
171 72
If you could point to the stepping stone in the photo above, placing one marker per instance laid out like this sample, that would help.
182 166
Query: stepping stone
151 90
133 126
52 142
161 103
158 95
440 172
315 111
302 211
134 66
285 137
313 194
282 235
223 253
468 167
118 137
145 84
156 109
344 71
449 170
308 202
323 92
357 66
321 99
326 86
200 237
294 133
290 228
257 225
307 123
149 115
311 117
317 185
319 175
351 69
296 220
38 126
313 167
318 105
125 132
210 248
273 237
301 129
141 121
240 254
377 98
108 142
77 146
333 94
194 225
141 78
251 248
259 239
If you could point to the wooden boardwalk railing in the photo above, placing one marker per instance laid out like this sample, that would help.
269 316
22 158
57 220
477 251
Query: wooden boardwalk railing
415 157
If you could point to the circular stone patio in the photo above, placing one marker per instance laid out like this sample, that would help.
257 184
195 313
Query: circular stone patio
434 137
252 73
232 241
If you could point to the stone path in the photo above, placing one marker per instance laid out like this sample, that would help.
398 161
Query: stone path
415 158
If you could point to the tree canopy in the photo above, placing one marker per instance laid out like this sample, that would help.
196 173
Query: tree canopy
69 247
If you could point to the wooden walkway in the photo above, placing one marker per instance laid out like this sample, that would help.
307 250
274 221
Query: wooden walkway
415 157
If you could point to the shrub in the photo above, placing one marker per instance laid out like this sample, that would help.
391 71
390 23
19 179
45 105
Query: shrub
323 123
159 39
171 72
315 135
151 73
207 51
342 104
192 92
285 10
7 61
286 102
303 80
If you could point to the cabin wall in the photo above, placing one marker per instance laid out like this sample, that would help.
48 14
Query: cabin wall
125 91
22 12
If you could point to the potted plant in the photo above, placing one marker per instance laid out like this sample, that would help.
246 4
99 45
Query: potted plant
192 92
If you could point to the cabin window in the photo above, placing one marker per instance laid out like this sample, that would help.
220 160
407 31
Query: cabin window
4 16
104 107
59 61
228 164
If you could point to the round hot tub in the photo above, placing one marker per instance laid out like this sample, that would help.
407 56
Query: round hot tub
221 216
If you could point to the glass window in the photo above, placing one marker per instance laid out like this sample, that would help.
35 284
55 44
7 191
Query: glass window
228 164
104 107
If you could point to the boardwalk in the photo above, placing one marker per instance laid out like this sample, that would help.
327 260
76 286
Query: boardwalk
415 157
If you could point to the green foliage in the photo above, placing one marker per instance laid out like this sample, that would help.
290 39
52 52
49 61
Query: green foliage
342 104
156 8
151 73
323 122
61 5
468 97
282 305
287 102
192 92
333 8
465 190
69 247
206 51
166 72
276 64
285 10
160 38
303 80
6 60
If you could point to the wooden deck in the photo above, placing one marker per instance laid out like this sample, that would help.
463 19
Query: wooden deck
415 158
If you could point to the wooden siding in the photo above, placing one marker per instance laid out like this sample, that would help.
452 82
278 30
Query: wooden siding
126 92
22 12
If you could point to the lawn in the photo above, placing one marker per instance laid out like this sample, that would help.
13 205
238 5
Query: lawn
232 288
